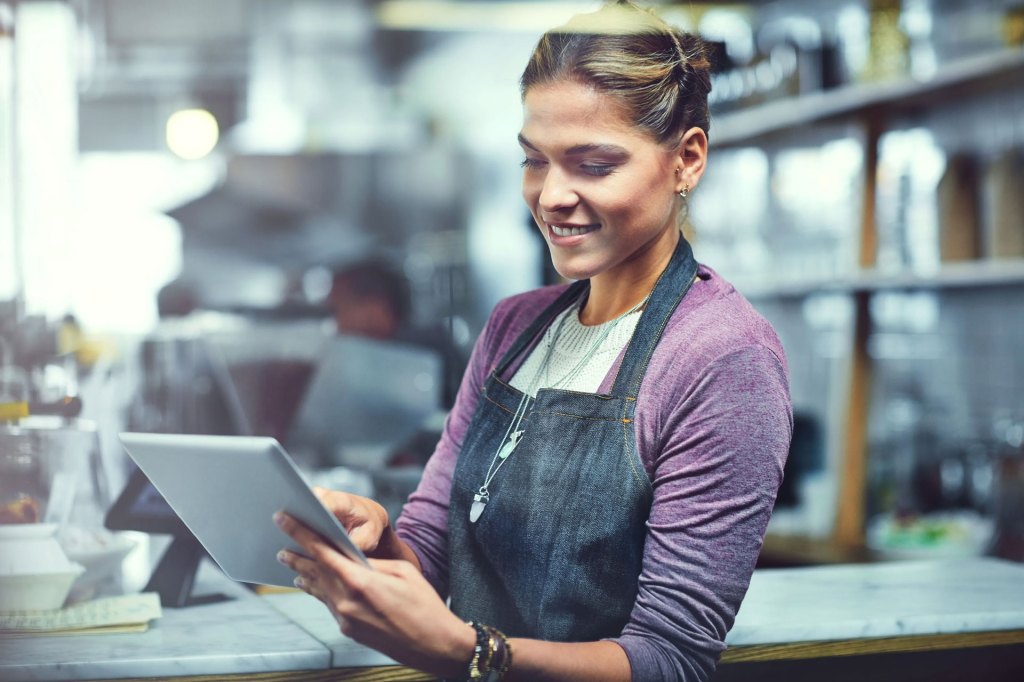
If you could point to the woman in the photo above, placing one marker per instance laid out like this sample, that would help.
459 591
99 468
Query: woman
600 493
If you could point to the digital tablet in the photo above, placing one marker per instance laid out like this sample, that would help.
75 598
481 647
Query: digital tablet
226 490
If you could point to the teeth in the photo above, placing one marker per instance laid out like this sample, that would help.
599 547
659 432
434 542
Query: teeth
572 231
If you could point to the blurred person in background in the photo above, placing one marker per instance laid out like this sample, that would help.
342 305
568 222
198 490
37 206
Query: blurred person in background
177 298
372 298
598 499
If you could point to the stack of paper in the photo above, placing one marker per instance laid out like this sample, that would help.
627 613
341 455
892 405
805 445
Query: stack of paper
127 613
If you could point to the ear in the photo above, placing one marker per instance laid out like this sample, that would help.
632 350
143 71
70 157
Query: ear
692 158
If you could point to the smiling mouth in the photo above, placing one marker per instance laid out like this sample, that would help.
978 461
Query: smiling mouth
572 230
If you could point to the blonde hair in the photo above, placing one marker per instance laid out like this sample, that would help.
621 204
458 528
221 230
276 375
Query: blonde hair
660 74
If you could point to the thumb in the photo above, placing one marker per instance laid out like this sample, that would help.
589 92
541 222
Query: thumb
364 537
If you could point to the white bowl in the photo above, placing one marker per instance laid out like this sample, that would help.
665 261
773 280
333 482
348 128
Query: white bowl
32 549
39 592
35 574
99 551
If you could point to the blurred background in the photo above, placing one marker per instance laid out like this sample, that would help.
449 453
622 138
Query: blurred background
184 185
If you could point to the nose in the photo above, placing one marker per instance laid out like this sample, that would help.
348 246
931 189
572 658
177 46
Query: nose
557 192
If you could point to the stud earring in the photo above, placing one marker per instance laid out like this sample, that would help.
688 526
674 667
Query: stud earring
685 191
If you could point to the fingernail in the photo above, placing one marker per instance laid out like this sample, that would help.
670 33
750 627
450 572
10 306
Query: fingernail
279 518
300 583
282 557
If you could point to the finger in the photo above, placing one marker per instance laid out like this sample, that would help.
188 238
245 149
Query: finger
365 538
308 539
297 562
353 576
312 588
319 551
326 496
339 503
309 576
306 570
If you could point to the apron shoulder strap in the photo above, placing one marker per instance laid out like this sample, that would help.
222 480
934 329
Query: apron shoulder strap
572 293
669 290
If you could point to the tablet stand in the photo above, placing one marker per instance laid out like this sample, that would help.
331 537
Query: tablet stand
140 507
175 575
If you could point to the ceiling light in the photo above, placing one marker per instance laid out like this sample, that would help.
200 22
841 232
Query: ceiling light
448 15
515 15
192 133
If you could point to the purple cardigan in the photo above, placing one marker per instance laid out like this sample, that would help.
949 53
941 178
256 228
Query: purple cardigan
713 425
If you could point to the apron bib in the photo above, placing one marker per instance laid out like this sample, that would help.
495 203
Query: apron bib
556 553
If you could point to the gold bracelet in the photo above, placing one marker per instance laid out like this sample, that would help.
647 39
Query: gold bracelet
500 659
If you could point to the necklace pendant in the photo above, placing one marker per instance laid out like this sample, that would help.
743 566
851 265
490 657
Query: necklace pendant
508 447
477 508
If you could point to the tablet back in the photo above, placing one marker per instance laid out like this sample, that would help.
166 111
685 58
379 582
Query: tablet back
226 489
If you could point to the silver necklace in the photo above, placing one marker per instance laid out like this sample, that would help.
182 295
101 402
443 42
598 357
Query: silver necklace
514 434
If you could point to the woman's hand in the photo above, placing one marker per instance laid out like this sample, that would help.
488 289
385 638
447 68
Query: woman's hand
365 520
367 524
389 607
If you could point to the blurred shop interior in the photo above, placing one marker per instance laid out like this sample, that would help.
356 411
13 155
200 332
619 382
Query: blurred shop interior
184 185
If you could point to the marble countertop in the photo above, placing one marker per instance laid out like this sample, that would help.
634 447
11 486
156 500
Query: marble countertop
822 603
238 636
241 635
880 600
313 617
293 631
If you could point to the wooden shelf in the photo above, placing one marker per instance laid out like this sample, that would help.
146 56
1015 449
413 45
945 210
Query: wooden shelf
952 80
800 550
967 275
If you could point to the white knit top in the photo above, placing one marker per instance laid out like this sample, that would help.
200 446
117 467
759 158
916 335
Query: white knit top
573 344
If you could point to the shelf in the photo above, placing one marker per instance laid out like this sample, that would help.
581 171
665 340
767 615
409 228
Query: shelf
974 274
954 79
865 111
798 550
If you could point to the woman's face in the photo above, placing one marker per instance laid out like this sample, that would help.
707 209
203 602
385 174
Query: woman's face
602 191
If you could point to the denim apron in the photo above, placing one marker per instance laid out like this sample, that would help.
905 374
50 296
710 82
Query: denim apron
556 553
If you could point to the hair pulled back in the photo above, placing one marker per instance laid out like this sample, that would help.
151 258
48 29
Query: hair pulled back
661 74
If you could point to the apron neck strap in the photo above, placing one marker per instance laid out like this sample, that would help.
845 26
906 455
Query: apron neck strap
532 333
668 291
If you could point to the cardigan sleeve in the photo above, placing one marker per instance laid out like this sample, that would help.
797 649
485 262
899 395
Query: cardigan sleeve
717 466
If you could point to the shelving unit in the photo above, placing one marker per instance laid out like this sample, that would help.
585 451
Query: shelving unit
969 75
965 275
872 107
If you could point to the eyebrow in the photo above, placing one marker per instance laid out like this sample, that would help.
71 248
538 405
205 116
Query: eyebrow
578 149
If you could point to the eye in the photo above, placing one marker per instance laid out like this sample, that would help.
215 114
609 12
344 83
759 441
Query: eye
598 169
531 163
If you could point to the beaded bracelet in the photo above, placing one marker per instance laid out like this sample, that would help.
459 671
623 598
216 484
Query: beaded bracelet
492 654
478 662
